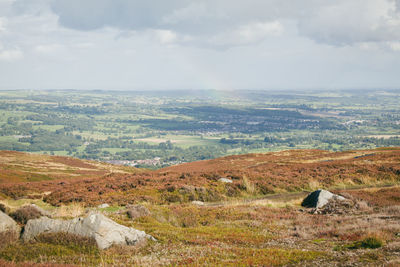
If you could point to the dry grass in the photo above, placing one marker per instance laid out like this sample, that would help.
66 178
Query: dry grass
69 211
252 175
7 238
239 228
26 167
235 234
250 187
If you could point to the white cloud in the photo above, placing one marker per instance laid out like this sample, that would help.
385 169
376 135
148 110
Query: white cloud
3 23
257 31
395 46
165 36
345 22
48 48
11 55
248 34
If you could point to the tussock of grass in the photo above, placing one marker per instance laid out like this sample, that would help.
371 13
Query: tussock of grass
68 211
368 242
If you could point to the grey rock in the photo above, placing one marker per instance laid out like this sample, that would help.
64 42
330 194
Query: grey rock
225 180
103 230
7 224
320 198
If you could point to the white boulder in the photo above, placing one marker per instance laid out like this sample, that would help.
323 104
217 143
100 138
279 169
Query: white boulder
103 230
225 180
320 198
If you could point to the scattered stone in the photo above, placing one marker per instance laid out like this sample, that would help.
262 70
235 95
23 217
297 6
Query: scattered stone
8 225
337 206
225 180
137 211
103 230
103 206
319 198
198 203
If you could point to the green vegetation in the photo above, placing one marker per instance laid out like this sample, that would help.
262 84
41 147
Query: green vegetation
368 242
156 129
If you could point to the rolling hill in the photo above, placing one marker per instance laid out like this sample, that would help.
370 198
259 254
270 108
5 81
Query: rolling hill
68 180
27 167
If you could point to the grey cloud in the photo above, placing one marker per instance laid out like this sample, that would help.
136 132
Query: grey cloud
349 22
124 14
184 16
36 7
339 22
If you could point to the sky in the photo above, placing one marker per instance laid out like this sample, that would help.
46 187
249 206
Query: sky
199 44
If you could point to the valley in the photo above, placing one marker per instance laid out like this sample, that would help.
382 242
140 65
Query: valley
155 129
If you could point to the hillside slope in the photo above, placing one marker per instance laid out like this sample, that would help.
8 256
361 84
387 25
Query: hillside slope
253 175
27 167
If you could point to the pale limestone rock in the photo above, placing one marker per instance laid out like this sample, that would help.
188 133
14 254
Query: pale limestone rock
7 224
103 230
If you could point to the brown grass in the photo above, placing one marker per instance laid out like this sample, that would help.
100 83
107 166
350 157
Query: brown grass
26 167
70 211
252 174
7 238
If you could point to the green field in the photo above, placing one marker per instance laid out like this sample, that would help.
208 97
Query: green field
187 126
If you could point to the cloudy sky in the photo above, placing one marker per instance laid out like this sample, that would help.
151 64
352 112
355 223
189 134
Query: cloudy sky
199 44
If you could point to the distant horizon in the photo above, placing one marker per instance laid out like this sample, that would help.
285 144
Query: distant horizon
205 89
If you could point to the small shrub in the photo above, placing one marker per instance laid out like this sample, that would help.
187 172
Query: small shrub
3 208
368 242
371 242
137 211
26 213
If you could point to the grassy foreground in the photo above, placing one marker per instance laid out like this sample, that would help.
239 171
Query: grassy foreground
238 224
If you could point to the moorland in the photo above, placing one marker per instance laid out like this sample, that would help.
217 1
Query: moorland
256 219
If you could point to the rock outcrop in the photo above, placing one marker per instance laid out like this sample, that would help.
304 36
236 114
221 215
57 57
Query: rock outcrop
8 226
103 230
320 198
